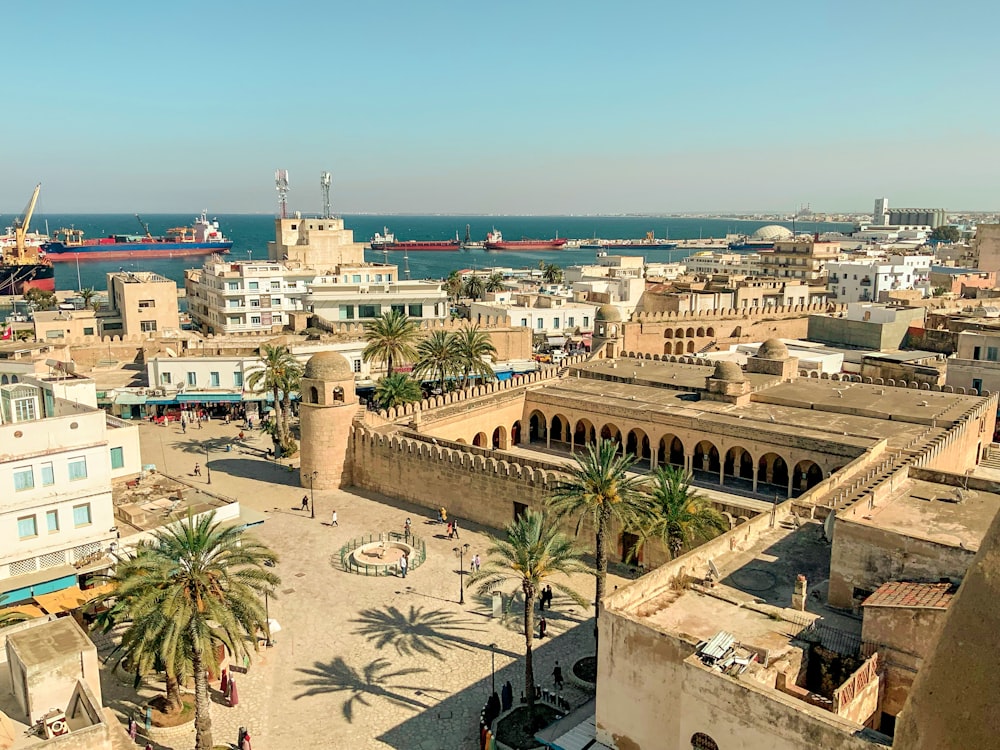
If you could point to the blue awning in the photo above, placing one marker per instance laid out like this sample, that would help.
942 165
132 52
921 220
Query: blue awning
208 398
161 401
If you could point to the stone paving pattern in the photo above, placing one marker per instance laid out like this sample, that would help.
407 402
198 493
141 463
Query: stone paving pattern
361 662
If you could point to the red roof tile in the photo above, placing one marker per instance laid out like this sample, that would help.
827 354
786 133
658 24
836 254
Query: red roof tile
904 594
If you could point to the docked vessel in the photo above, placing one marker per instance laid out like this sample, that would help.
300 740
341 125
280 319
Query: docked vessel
23 265
495 241
649 242
379 241
388 241
202 238
470 244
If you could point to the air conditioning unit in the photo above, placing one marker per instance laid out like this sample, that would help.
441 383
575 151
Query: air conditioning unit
55 724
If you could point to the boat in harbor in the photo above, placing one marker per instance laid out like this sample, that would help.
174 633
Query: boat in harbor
470 244
495 241
387 241
202 238
649 242
23 264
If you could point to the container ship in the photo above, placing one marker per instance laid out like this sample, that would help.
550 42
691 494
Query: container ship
495 241
23 265
203 238
388 241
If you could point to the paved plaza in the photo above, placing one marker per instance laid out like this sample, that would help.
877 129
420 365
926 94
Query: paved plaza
361 662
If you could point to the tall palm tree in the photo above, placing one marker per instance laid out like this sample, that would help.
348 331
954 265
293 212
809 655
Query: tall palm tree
396 390
551 273
390 338
472 345
495 283
438 357
279 373
473 287
600 491
206 581
453 285
679 515
533 552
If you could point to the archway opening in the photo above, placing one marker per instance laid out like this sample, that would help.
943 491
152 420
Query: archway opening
515 433
499 438
637 444
679 347
612 433
560 429
479 440
584 434
670 451
706 457
772 469
807 475
537 427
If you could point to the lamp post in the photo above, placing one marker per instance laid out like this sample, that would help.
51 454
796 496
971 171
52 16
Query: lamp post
493 666
460 550
208 469
312 494
267 623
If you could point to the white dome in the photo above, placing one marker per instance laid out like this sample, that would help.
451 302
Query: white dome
771 233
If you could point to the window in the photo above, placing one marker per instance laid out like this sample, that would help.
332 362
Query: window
253 285
235 303
977 384
571 321
524 322
88 331
147 326
276 285
255 320
117 458
388 277
165 378
357 365
234 321
255 302
24 479
416 311
81 515
555 323
213 379
27 527
232 286
347 312
25 409
378 277
77 469
701 741
52 521
48 474
991 353
401 309
976 352
356 278
192 378
238 379
369 311
586 321
146 303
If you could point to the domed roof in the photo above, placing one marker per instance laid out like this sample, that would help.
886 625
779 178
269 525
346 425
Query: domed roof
328 366
608 313
772 232
772 349
728 371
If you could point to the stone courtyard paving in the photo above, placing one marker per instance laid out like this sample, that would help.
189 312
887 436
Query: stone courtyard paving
363 662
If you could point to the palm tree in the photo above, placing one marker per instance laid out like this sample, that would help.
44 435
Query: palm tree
396 390
473 287
11 618
551 273
600 491
533 552
89 294
280 373
206 582
438 357
453 285
390 338
472 345
680 516
495 283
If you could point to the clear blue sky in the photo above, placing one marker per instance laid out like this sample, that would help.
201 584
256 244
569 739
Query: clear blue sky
515 107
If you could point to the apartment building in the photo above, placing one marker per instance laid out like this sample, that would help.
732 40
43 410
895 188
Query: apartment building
802 258
542 313
710 264
140 302
872 280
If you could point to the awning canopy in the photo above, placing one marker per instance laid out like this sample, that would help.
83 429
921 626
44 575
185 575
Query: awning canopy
29 610
161 401
556 340
126 398
208 398
68 599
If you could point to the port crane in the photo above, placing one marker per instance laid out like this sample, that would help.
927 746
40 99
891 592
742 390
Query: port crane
145 227
21 225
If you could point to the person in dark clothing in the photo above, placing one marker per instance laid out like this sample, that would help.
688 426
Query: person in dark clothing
557 676
305 502
542 627
547 596
506 696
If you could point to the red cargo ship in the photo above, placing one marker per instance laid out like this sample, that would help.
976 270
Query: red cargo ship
495 241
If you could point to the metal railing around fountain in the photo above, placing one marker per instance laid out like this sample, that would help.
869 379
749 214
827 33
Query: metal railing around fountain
349 563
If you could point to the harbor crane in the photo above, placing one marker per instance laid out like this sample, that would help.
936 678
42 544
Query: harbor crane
21 224
145 226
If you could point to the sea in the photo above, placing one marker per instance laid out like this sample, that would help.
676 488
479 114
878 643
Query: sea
251 233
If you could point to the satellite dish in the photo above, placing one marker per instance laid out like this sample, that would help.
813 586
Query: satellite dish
828 526
715 570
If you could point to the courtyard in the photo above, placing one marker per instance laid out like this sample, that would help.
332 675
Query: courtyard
359 661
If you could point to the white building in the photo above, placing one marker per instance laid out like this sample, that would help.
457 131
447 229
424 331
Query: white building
709 264
871 281
544 314
880 217
57 519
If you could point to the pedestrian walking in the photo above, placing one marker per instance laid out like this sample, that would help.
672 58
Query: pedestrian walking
200 421
454 528
184 425
542 627
149 746
241 435
133 728
333 519
475 562
305 502
404 563
506 696
197 470
245 745
557 676
451 532
547 596
406 531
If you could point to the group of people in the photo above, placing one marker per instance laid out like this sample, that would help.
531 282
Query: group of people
545 598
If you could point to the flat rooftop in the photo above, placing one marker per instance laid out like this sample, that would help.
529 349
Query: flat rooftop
53 640
935 512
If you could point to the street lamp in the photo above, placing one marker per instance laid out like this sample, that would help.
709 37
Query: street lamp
312 495
208 469
460 550
267 623
493 666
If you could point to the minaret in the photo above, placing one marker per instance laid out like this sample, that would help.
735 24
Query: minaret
327 408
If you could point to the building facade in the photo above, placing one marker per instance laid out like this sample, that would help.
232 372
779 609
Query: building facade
145 303
873 280
799 258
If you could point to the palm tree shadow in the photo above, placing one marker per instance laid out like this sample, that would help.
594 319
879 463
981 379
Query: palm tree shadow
429 633
373 681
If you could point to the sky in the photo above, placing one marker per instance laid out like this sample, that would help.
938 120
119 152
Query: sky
543 107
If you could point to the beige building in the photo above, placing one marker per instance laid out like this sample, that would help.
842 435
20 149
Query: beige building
141 302
799 258
976 363
986 247
317 243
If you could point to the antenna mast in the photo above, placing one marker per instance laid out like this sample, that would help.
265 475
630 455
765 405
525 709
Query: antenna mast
324 183
281 185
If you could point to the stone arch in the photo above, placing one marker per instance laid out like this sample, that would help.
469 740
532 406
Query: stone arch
637 443
538 426
611 432
701 741
584 433
479 440
706 456
690 333
710 331
463 441
700 331
313 394
807 474
738 463
4 380
772 469
560 429
515 433
670 451
668 349
668 333
679 347
690 347
500 438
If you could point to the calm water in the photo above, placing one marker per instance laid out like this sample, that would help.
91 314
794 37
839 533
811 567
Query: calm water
251 233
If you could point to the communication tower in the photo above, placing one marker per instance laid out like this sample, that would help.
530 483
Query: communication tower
281 185
324 183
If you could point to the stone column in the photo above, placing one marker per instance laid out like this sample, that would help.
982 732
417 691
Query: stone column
791 481
722 471
572 442
755 476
